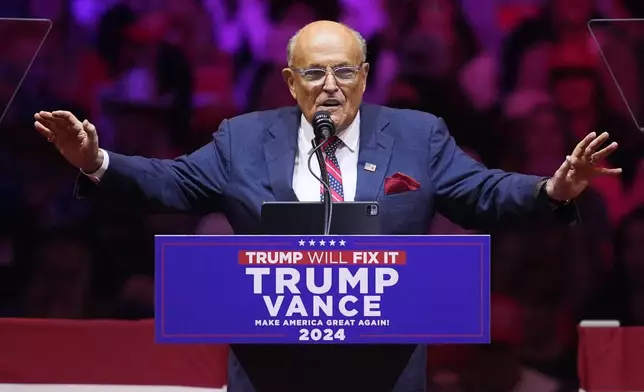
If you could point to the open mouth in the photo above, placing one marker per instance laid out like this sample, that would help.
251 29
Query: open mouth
330 104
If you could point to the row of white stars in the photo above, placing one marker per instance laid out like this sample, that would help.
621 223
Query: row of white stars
322 242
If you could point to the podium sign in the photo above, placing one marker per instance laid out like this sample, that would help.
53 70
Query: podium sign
322 289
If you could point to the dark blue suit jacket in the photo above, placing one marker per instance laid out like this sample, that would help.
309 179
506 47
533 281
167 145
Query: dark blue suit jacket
252 156
251 160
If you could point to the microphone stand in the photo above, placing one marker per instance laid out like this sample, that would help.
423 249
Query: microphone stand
324 180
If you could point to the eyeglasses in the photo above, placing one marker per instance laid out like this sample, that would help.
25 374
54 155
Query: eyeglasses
343 74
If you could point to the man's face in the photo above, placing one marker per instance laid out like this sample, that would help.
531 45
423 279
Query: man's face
327 74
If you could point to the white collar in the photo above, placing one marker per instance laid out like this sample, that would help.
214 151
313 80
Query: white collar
350 136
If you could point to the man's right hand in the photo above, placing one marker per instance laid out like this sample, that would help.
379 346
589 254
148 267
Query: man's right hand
77 141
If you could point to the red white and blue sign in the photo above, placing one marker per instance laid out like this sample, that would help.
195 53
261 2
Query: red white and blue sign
323 289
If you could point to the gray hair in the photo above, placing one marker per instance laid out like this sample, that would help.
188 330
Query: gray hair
291 45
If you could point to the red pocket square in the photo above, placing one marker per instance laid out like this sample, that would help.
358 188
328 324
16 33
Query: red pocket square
399 183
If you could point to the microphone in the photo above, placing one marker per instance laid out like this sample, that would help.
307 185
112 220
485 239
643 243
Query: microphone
323 129
323 126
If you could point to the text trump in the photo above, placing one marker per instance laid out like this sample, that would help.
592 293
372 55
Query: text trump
342 281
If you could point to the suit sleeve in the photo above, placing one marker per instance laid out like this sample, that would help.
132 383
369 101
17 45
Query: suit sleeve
473 196
190 183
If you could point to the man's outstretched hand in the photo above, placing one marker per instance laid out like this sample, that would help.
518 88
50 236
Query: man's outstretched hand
581 167
77 141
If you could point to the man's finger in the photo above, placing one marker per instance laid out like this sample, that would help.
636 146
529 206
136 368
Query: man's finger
565 167
581 147
45 115
90 130
49 124
65 122
63 114
604 152
38 117
45 119
606 171
595 144
43 130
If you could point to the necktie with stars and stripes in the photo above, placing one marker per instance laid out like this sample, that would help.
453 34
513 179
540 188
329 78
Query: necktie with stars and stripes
333 169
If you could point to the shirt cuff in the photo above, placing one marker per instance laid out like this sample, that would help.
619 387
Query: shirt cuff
543 194
98 174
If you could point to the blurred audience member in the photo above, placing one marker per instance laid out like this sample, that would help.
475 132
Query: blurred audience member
240 26
190 28
559 21
479 81
579 97
136 300
629 267
622 296
445 366
149 72
545 290
268 86
621 43
383 48
497 368
59 280
403 94
440 43
535 134
108 60
527 50
489 368
366 20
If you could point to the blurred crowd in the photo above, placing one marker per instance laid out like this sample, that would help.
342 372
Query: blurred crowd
158 76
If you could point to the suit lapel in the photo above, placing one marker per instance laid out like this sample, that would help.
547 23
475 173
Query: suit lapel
279 152
376 148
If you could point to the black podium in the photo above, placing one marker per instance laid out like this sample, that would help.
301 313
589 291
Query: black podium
327 367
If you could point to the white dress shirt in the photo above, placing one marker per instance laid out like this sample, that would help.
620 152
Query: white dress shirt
305 186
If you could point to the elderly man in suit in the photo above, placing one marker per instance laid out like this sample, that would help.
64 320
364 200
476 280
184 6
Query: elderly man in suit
262 156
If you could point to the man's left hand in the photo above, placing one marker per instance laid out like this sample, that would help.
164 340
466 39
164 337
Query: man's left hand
581 167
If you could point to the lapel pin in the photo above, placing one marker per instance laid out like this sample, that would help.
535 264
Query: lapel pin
370 167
